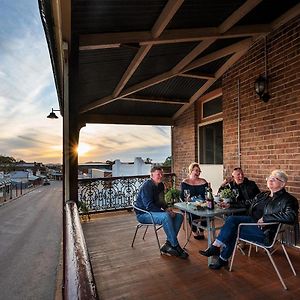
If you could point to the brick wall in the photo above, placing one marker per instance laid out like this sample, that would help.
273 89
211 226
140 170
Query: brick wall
269 132
184 145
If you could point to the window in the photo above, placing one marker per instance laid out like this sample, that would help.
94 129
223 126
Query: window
211 143
212 107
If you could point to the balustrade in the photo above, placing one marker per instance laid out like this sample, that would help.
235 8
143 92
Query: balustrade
111 193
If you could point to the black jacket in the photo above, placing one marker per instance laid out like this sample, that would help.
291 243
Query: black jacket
247 190
282 208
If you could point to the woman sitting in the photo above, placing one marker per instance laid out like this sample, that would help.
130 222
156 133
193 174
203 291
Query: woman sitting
197 187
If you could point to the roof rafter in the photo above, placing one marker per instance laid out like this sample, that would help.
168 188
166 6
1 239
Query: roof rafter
227 24
218 74
166 15
114 40
154 100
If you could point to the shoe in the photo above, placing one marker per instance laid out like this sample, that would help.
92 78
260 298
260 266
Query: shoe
199 237
181 252
211 251
168 250
218 264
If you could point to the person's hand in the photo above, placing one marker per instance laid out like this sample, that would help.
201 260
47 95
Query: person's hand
261 220
170 212
227 180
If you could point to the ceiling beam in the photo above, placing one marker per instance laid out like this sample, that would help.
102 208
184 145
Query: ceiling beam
166 15
197 75
168 75
238 15
125 120
287 16
218 54
154 100
232 60
113 40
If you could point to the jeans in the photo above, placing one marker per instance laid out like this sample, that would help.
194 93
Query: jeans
228 234
170 225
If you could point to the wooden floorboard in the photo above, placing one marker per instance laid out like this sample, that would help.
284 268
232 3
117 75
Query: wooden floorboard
123 272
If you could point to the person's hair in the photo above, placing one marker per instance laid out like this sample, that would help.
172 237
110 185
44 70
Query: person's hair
192 166
280 174
237 169
156 168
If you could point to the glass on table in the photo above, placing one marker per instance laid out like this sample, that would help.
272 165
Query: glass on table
187 195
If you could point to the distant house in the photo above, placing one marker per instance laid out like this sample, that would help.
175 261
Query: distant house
138 167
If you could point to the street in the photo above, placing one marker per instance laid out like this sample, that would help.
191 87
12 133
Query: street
30 242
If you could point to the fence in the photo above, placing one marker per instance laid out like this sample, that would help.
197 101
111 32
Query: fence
112 193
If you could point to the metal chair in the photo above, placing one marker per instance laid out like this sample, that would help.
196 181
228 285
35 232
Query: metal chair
139 225
270 249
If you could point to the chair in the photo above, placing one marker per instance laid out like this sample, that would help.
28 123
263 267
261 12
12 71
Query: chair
155 227
270 249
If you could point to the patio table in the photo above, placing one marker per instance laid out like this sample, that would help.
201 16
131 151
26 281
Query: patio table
209 215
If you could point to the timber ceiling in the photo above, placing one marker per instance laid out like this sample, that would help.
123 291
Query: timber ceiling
147 61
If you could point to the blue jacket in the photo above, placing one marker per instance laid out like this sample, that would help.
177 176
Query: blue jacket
150 197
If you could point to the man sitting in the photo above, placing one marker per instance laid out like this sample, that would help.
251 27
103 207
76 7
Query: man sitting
277 205
150 198
244 188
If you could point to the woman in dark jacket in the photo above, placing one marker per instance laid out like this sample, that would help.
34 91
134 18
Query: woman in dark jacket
277 205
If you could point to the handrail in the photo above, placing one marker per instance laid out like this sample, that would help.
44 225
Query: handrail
78 277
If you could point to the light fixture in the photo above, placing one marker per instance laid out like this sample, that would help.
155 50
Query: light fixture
261 83
52 115
261 88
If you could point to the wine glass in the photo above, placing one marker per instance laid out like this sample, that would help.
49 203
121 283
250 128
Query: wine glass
186 194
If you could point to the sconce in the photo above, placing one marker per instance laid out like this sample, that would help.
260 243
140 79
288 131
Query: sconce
261 88
52 115
261 83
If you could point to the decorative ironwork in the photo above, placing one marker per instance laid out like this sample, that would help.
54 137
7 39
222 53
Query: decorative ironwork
111 193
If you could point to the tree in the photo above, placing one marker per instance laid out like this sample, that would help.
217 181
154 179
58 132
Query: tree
7 163
168 162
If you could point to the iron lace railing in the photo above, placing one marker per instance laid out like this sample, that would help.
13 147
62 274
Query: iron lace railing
113 193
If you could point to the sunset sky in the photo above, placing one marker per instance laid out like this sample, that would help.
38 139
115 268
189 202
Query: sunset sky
27 94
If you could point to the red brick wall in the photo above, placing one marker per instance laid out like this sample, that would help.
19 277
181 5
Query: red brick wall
269 132
184 145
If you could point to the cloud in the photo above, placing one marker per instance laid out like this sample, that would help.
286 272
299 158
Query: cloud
27 94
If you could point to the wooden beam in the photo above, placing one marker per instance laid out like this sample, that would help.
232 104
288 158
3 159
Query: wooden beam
210 82
218 54
165 17
154 100
238 15
115 39
143 51
120 119
167 75
287 16
211 95
196 75
192 55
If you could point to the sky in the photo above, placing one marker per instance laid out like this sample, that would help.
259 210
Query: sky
27 94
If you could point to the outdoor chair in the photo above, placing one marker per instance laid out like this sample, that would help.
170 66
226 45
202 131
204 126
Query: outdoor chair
270 249
139 225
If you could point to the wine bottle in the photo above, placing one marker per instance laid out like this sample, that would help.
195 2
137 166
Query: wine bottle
210 198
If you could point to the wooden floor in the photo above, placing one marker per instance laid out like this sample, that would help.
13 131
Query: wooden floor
123 272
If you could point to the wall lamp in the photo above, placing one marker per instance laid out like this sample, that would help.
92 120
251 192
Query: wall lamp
52 115
261 88
261 83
